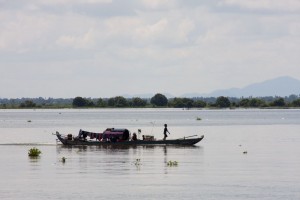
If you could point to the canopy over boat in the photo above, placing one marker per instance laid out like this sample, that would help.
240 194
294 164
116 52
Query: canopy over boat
108 134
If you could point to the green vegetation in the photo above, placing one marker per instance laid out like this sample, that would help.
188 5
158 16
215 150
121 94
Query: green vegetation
158 100
34 152
118 101
101 103
296 103
199 104
172 163
222 102
82 102
138 102
278 102
181 103
27 104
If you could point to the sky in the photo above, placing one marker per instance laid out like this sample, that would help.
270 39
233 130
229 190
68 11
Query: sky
107 48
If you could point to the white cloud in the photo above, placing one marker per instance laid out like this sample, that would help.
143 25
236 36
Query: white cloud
86 41
149 32
186 26
66 2
21 31
157 44
157 4
277 5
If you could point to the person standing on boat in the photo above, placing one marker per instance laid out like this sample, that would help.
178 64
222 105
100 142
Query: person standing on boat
166 131
134 137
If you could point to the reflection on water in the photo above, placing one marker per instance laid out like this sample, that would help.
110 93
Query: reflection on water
117 161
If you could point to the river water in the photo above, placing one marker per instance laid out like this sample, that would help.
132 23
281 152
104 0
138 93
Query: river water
215 168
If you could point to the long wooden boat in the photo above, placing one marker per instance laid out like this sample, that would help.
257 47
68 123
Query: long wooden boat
108 137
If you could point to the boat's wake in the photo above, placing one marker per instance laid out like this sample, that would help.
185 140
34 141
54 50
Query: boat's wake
27 144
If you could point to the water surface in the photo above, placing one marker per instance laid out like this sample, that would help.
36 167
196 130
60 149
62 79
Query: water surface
216 168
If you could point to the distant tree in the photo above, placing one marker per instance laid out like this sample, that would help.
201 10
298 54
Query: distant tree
176 103
27 104
138 102
120 101
234 104
199 104
254 102
278 102
79 102
244 103
291 98
159 100
181 103
222 102
90 103
101 103
111 102
296 103
188 103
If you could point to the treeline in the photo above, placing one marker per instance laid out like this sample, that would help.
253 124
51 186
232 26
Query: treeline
158 100
36 103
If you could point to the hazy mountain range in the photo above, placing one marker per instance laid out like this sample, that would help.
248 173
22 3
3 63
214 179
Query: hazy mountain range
281 86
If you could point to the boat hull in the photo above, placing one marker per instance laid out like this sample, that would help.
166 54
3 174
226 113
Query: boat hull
183 141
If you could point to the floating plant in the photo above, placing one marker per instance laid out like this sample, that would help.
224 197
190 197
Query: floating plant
172 163
34 152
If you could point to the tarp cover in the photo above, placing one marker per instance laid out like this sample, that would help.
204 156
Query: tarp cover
120 134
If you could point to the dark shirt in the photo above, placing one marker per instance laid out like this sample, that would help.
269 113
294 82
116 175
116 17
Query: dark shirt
166 130
134 137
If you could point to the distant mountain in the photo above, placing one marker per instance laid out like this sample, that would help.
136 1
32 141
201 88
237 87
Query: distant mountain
281 86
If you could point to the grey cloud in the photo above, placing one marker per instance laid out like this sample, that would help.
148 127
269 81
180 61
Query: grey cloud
116 8
75 45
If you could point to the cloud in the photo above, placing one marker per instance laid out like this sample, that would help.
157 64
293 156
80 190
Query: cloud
20 31
84 41
158 4
276 5
68 2
198 46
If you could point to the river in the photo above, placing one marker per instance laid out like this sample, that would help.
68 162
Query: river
216 168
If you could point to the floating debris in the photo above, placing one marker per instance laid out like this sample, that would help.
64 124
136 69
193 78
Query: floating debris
198 119
245 152
29 120
63 159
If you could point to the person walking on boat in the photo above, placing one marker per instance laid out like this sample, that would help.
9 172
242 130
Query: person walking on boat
165 132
